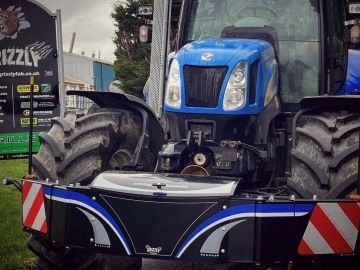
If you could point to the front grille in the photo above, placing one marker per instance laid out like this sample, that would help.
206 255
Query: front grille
203 85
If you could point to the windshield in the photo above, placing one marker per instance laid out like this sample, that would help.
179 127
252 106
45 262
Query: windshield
297 24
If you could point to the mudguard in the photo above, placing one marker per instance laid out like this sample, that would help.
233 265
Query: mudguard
191 218
131 103
346 102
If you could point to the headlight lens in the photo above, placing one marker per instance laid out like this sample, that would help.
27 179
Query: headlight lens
234 97
173 87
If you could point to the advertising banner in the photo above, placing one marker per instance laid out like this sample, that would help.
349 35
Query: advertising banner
27 48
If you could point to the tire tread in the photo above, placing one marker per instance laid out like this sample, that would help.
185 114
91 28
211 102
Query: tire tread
324 157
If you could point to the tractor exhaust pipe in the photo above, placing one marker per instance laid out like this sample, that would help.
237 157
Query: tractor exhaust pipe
195 170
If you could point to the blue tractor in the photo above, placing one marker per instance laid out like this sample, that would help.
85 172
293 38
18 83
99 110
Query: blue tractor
272 78
250 137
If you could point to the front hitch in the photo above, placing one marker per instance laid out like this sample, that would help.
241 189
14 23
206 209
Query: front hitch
8 181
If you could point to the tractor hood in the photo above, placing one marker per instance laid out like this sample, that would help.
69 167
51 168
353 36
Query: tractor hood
218 52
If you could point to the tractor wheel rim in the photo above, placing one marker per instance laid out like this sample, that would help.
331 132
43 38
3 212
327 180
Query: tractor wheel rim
120 158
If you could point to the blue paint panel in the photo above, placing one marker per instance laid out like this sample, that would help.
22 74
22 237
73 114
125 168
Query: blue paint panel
304 208
222 49
353 72
229 52
104 76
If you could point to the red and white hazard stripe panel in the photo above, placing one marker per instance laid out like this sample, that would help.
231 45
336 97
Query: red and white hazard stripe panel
333 228
34 215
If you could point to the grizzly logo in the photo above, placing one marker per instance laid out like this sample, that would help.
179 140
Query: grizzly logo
11 22
153 250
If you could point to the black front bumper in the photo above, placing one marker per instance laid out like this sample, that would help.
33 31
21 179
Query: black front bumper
192 219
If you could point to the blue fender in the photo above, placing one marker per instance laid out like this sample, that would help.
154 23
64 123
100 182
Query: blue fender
353 72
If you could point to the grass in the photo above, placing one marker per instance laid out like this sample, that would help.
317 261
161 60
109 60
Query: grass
14 253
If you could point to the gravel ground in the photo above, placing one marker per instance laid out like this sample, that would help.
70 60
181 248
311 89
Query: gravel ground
149 264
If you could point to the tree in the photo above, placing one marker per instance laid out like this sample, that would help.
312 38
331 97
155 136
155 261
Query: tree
132 64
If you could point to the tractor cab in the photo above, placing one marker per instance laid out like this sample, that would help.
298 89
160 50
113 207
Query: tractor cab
296 40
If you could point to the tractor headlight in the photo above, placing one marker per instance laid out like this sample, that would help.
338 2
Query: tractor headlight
234 97
173 87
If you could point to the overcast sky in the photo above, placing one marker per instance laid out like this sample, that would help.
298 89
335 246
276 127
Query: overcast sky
90 20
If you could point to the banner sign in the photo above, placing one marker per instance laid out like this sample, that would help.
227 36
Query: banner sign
27 48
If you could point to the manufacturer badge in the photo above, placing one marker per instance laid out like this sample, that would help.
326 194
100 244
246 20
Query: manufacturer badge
153 250
207 57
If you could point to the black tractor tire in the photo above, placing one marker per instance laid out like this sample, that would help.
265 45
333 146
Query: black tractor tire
77 148
324 162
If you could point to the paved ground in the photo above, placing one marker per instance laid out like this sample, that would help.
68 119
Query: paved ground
149 264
